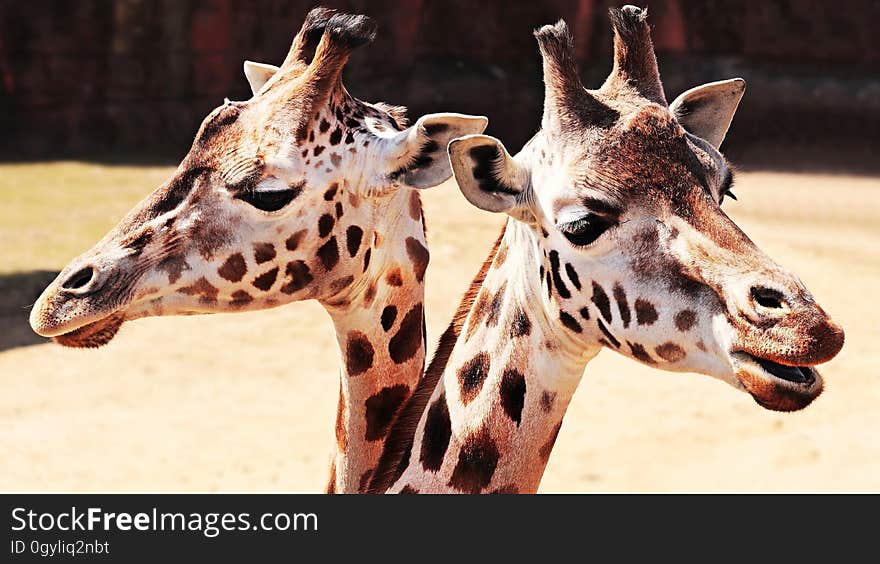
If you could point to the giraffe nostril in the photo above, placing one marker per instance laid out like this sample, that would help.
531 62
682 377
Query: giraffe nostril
768 298
79 278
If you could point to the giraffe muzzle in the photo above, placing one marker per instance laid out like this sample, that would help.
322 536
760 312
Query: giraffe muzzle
81 307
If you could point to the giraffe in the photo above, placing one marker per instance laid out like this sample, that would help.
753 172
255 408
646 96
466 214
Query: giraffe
616 239
301 192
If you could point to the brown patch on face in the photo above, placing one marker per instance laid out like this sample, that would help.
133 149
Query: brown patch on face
353 236
476 465
209 236
408 489
573 276
146 292
415 206
622 305
408 340
325 225
265 280
389 314
547 401
600 298
561 288
174 266
685 319
203 288
241 298
317 150
381 408
294 240
335 160
438 430
639 353
331 192
471 376
670 352
394 277
367 255
701 345
264 252
585 313
358 353
341 434
547 448
299 275
336 136
328 254
569 322
233 268
611 339
513 394
419 256
645 312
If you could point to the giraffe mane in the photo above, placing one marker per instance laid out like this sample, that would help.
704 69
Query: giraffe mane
402 434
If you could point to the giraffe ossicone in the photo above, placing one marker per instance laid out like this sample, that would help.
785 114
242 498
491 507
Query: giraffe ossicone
616 239
301 192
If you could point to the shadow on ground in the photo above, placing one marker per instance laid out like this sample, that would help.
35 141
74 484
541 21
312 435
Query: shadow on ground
18 292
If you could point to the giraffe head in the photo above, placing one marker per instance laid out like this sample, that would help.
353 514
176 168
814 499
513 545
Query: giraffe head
283 197
620 196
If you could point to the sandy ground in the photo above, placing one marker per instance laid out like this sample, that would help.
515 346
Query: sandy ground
246 402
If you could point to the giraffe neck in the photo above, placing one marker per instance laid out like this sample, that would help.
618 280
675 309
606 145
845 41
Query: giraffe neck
494 414
379 324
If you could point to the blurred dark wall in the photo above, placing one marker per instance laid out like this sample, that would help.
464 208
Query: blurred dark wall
137 76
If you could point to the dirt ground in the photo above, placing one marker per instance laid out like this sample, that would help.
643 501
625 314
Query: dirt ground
246 402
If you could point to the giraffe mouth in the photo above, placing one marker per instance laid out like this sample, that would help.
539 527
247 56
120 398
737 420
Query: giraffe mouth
775 386
93 335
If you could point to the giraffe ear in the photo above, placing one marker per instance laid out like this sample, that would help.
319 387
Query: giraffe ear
258 74
419 152
488 176
707 110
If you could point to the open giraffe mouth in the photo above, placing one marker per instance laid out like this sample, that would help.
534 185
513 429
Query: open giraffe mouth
805 375
776 386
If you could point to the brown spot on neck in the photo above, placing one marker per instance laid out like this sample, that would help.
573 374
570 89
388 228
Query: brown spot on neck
381 408
358 353
394 277
476 465
398 446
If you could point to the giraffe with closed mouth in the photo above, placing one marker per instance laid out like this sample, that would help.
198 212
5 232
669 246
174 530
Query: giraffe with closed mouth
301 192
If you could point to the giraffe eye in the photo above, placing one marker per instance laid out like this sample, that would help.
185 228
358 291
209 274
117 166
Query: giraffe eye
587 229
272 200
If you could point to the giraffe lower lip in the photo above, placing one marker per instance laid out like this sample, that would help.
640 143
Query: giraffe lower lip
94 335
